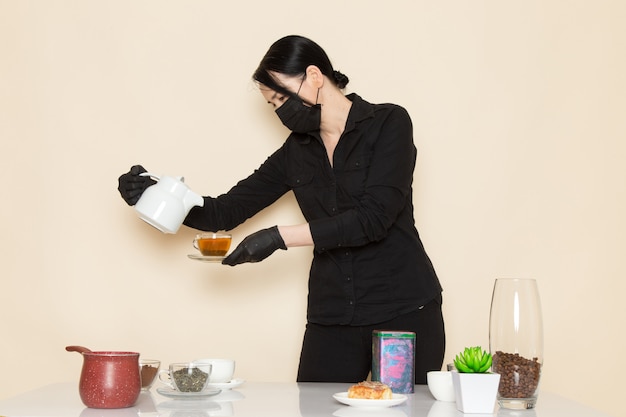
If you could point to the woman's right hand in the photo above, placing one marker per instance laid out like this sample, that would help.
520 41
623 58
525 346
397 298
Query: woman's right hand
132 185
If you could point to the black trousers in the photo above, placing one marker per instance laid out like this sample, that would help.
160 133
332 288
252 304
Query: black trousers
340 353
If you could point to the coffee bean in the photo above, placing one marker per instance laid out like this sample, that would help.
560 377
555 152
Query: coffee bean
519 377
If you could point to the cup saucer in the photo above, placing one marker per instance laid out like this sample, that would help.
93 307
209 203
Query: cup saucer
202 258
233 383
172 393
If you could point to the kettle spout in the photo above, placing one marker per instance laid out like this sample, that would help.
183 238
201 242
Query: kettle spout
191 200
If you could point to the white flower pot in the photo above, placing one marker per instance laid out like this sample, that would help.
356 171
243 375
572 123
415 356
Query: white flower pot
475 393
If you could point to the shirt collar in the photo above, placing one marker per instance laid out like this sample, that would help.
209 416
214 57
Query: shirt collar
359 111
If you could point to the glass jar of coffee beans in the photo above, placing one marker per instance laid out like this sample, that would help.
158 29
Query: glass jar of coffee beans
516 341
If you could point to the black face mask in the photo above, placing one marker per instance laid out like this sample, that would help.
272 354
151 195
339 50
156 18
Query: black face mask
298 117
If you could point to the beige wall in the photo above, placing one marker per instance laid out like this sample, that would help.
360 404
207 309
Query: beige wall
518 109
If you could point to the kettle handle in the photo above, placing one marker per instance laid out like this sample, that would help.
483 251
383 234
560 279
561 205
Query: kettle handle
79 349
157 177
147 174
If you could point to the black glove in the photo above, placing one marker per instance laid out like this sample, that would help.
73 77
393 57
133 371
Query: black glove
132 185
256 247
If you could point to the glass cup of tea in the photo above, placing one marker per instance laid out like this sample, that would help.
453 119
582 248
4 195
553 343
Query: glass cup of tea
212 244
185 377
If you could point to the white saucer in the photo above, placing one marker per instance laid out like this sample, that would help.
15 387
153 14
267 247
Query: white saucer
233 383
203 258
172 393
396 399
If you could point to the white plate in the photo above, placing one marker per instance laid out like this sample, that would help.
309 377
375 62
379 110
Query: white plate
172 393
203 258
396 399
233 383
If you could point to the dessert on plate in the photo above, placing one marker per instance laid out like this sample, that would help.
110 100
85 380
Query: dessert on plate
370 390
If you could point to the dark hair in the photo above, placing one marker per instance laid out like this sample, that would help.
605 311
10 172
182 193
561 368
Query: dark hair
292 55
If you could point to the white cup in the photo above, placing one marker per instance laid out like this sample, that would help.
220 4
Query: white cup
222 370
440 385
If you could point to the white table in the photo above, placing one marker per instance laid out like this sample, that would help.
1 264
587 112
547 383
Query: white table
265 399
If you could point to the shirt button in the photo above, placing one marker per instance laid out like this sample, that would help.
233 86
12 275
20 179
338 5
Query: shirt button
351 302
334 209
349 278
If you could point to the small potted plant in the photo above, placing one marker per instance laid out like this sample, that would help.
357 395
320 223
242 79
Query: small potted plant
475 388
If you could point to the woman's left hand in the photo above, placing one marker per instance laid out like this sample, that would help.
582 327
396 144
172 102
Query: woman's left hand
256 247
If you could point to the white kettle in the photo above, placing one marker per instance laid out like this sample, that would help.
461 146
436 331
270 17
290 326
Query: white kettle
165 204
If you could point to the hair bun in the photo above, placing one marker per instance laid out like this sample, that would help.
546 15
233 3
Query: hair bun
341 79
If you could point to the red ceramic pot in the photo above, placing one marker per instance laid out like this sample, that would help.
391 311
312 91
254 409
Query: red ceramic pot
110 379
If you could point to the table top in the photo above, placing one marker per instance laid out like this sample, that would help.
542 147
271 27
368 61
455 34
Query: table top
265 399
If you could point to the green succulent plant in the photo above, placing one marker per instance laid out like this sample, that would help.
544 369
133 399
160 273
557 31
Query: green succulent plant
473 360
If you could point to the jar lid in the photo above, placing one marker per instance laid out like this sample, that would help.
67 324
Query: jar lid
393 333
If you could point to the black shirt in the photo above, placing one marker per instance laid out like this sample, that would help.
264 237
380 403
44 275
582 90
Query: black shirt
369 264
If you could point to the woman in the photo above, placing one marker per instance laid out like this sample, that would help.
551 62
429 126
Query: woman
350 165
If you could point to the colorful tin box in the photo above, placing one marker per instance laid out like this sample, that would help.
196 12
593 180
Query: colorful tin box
393 359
